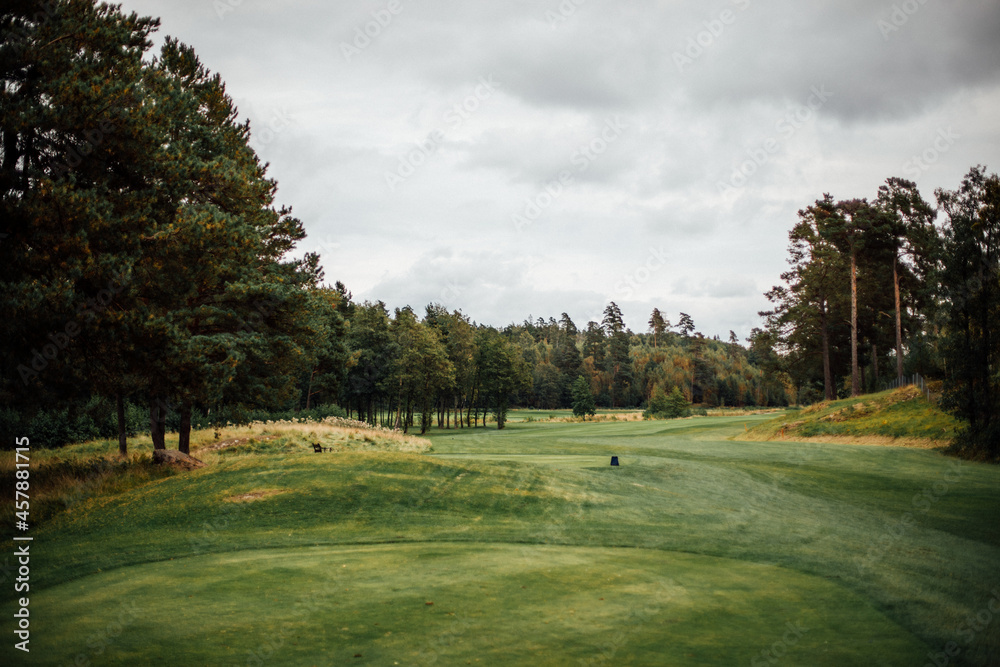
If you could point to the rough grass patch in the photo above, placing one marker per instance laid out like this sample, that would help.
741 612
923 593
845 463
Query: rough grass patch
58 483
900 417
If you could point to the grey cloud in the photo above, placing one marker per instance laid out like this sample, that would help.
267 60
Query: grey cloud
448 228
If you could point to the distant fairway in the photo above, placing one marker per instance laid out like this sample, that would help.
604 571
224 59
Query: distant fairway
698 550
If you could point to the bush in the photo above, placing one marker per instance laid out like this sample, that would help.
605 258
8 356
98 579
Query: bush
55 427
663 406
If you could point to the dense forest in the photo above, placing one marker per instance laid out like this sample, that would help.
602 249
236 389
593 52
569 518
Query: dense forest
145 263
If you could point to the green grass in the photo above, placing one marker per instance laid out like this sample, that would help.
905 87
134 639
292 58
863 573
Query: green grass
703 549
898 413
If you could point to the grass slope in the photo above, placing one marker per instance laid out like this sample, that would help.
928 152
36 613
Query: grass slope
698 550
898 416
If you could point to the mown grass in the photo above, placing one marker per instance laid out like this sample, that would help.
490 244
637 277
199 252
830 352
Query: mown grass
898 414
702 548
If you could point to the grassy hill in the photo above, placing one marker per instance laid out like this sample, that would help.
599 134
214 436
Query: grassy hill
902 417
524 546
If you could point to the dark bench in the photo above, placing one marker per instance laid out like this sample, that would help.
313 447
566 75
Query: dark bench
320 448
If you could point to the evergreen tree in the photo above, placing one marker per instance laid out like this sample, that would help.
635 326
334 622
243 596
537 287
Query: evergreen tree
583 400
547 386
374 354
593 344
685 325
618 364
971 287
810 307
75 156
658 325
912 235
503 372
224 309
853 226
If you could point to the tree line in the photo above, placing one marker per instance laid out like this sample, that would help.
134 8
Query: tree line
404 369
145 263
890 286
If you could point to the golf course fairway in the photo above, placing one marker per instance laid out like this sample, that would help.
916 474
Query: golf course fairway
524 547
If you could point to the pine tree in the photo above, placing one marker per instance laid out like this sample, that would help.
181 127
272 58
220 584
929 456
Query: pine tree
971 287
911 235
853 226
583 400
75 188
810 306
685 325
226 312
503 372
658 325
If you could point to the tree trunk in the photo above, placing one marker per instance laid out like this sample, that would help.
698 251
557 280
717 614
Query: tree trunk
310 388
899 323
855 381
828 392
184 432
158 423
875 365
122 439
399 405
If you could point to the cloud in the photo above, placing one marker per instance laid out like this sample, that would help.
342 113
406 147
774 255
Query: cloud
687 174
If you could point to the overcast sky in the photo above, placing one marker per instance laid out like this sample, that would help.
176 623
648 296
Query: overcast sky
532 157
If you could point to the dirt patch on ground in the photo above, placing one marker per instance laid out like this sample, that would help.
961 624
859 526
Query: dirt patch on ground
176 459
251 496
233 442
